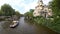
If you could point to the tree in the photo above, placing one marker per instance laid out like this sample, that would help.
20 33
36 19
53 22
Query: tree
8 10
55 5
17 13
1 13
29 14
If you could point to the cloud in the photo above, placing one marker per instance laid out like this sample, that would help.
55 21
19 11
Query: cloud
46 1
22 5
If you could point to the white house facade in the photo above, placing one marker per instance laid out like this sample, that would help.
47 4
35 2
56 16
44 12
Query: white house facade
42 10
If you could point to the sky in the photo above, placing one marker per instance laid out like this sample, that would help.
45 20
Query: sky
22 5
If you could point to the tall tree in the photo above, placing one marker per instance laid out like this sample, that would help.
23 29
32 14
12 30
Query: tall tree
7 9
55 5
1 13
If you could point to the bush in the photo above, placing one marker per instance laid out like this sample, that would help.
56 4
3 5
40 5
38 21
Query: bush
52 23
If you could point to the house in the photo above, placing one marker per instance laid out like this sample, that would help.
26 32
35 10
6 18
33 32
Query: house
42 10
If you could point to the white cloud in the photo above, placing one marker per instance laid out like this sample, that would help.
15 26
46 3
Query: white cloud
30 6
22 4
46 1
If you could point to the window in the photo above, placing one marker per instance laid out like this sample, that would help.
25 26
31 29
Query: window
34 13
